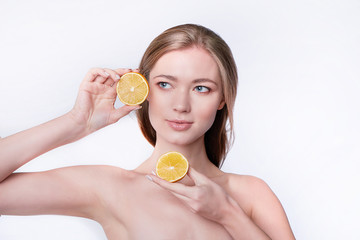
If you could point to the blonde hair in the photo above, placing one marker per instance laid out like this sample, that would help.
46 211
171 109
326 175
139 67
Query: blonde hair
219 137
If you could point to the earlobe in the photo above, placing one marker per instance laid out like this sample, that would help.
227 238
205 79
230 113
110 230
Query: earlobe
221 105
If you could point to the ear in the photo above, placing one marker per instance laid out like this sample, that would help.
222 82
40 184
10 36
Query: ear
149 96
222 104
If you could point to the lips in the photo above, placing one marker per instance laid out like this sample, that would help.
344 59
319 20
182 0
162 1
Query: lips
179 125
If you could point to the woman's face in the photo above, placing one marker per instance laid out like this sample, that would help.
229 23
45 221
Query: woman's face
185 94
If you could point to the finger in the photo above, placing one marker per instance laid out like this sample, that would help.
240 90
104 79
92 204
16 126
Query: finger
122 111
94 73
181 197
113 75
176 188
197 177
103 77
109 82
114 85
122 71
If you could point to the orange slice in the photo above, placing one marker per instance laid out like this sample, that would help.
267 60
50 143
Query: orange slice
132 88
172 166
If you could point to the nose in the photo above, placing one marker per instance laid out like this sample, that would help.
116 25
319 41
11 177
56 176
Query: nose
181 102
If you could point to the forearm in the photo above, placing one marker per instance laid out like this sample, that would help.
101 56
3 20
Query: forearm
239 225
18 149
93 109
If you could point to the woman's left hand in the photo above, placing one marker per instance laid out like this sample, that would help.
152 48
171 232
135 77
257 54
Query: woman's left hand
205 198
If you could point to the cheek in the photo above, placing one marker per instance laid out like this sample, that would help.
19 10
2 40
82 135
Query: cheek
207 113
156 107
155 103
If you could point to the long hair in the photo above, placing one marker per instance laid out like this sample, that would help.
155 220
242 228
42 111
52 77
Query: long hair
219 137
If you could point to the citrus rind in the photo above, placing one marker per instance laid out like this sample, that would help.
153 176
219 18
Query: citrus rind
172 166
132 88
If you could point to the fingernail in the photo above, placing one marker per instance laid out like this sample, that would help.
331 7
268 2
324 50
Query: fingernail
117 76
106 73
153 173
148 177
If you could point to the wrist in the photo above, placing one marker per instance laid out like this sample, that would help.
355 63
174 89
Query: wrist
230 211
239 224
76 128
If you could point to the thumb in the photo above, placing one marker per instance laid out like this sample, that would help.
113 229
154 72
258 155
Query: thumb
122 111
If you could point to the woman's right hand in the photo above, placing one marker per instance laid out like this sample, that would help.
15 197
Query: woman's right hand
94 106
93 109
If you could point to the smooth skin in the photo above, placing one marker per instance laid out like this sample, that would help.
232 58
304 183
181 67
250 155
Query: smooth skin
185 88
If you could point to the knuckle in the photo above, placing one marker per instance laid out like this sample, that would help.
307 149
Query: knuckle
109 70
196 207
199 194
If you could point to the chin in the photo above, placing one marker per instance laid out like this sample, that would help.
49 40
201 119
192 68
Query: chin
183 140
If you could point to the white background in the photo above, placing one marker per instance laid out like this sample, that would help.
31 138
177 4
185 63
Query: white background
297 112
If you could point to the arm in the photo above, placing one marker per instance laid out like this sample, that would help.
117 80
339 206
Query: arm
94 109
18 149
210 200
67 191
73 191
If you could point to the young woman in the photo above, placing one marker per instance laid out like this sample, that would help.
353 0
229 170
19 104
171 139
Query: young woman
193 80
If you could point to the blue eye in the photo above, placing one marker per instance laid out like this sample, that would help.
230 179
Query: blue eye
164 85
202 89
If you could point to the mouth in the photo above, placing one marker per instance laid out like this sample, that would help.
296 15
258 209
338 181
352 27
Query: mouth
179 125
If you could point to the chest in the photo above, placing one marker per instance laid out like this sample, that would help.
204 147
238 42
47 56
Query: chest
153 213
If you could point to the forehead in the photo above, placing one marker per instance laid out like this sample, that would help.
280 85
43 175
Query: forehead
189 63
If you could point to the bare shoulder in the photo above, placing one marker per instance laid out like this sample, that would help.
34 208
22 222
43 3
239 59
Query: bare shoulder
260 203
246 184
109 185
255 190
98 179
104 175
107 170
111 177
246 190
90 173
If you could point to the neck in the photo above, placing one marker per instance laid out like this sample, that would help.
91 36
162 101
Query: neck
195 153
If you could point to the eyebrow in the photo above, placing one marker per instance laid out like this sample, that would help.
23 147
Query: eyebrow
198 80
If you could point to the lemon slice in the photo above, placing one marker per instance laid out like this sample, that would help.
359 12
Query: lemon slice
172 166
132 88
